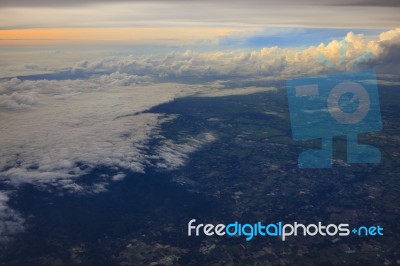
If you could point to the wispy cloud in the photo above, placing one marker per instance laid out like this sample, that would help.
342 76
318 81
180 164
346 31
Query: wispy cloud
185 21
171 155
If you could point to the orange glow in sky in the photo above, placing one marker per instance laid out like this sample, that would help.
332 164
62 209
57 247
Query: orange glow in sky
169 36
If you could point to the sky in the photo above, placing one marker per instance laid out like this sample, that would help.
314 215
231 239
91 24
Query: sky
77 76
178 22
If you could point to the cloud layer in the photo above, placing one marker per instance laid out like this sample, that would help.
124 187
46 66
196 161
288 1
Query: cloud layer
67 134
51 128
57 129
352 52
253 13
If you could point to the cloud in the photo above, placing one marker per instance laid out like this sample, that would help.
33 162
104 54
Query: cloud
119 176
17 101
391 3
193 66
171 155
388 59
73 126
237 91
389 35
79 125
11 221
50 128
267 63
74 132
58 129
22 14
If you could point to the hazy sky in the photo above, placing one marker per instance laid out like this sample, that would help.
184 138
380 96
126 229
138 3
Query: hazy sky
180 22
